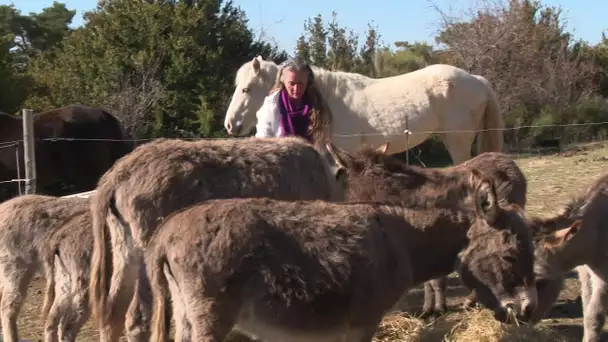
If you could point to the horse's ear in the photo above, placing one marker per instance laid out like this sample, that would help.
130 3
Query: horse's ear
383 148
256 64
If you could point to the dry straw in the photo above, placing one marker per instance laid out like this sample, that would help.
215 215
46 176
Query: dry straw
475 325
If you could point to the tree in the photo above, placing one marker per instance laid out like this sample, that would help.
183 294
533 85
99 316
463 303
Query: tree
522 48
21 37
165 67
406 58
334 47
317 41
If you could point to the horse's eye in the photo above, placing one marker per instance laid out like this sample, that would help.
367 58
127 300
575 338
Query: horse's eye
245 90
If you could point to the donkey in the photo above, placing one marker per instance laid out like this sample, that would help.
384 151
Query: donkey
315 270
166 175
373 175
582 245
26 223
67 270
575 238
552 256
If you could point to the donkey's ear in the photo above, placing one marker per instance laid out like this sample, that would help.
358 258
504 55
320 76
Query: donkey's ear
383 148
340 156
485 201
570 232
340 174
475 177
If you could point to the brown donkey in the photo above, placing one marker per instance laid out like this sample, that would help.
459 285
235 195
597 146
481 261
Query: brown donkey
373 175
26 224
315 270
554 257
67 270
166 175
577 238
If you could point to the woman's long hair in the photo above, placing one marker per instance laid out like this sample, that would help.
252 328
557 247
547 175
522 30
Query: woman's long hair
321 117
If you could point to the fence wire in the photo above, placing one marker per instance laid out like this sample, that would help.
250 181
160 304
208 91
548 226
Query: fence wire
406 132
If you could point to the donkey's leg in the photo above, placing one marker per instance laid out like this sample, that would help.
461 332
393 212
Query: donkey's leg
183 328
594 314
79 314
585 280
439 287
470 301
57 312
211 315
434 297
15 280
137 324
427 307
125 271
211 320
60 307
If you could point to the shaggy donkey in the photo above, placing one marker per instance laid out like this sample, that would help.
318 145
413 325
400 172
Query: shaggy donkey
553 257
26 224
373 175
320 271
575 238
582 245
166 175
67 269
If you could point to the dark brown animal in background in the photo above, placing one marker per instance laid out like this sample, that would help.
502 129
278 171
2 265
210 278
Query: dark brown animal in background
166 175
320 271
79 163
26 224
375 176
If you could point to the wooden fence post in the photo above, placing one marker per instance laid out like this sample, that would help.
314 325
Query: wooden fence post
407 140
29 153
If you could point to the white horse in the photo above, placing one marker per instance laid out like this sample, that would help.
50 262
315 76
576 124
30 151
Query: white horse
376 111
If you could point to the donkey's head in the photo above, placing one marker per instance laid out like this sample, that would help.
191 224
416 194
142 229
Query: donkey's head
499 259
556 253
252 83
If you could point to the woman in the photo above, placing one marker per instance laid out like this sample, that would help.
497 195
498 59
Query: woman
294 106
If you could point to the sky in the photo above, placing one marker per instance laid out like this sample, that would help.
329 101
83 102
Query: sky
282 22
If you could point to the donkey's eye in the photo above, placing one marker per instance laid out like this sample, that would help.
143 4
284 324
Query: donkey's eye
245 90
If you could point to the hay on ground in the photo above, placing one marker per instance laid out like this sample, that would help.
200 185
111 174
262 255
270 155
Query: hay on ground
399 327
479 325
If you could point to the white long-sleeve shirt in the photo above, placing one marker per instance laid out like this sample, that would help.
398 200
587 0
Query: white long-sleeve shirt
269 117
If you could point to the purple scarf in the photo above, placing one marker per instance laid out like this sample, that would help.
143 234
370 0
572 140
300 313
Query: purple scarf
294 120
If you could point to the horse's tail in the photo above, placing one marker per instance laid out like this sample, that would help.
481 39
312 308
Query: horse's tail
155 264
101 261
491 137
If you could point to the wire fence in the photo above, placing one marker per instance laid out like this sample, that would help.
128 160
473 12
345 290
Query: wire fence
385 137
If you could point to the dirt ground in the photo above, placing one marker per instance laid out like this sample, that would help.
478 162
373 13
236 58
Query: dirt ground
552 180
